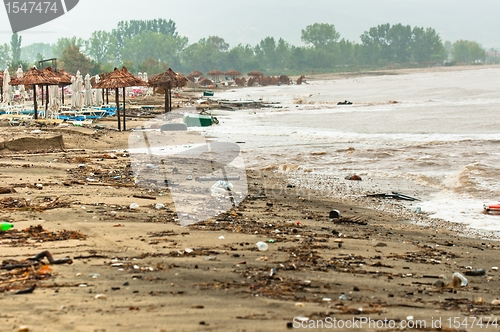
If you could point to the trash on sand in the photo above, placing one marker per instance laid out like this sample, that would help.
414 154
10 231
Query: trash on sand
262 246
335 214
394 195
134 206
221 188
345 102
478 272
459 280
5 226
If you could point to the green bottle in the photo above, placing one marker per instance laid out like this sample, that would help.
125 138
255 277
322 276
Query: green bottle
5 226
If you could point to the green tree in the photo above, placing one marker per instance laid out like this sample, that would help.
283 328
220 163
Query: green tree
98 46
5 56
158 46
153 66
205 56
427 46
376 47
15 45
242 58
129 29
63 43
468 52
320 35
30 53
73 60
399 38
266 54
218 43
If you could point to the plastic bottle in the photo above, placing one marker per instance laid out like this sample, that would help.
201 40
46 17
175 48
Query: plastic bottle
463 281
262 246
5 226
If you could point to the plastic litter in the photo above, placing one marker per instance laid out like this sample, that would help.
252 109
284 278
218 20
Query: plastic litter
463 281
221 188
134 206
262 246
5 226
159 206
478 272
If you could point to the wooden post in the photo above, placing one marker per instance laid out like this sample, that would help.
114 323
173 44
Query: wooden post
107 96
35 106
166 99
62 95
170 98
117 100
46 99
124 125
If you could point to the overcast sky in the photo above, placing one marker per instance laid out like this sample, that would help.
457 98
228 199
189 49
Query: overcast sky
248 22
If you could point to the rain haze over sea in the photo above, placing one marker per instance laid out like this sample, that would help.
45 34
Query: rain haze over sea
433 134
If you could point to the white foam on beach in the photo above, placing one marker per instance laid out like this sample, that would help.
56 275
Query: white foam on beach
432 130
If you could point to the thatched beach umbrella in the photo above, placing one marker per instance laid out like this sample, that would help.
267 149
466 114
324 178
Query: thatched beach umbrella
61 76
168 80
119 79
34 77
215 74
232 73
205 81
195 75
255 73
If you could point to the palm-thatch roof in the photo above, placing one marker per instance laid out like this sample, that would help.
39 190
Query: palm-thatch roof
168 79
34 77
195 73
205 81
119 79
215 72
62 77
255 73
233 73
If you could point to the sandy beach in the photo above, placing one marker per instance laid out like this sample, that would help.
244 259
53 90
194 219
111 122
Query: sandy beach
137 269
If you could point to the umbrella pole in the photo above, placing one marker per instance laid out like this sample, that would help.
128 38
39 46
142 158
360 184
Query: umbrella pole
1 92
62 95
117 100
34 102
124 126
107 96
166 99
170 99
46 99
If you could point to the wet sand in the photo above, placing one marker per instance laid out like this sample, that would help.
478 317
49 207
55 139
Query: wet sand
139 270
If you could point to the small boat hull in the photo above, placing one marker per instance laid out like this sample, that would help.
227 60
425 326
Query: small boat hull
197 120
492 208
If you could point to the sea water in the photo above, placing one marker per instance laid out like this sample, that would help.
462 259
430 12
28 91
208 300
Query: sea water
435 134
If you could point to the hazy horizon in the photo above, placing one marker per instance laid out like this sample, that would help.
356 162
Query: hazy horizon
250 22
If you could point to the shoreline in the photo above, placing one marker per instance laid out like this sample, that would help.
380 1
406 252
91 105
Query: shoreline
134 268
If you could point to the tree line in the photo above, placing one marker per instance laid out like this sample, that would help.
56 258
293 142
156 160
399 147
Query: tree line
153 46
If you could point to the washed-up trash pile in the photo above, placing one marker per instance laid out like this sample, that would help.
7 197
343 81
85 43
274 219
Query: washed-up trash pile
39 234
21 277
